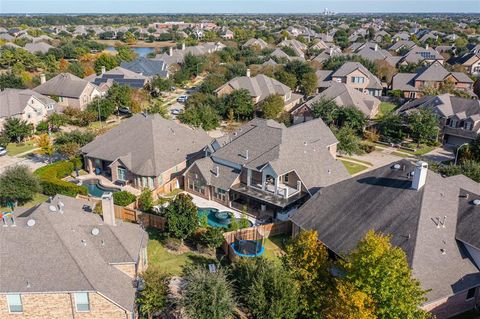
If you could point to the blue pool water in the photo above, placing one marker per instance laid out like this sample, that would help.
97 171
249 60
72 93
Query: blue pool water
141 52
95 189
212 220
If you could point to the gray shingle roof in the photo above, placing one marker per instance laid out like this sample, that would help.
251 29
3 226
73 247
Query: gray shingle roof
64 84
147 67
224 180
148 145
14 101
383 201
121 76
41 47
51 257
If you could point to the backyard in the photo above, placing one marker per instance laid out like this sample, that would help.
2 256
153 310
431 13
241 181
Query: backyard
19 148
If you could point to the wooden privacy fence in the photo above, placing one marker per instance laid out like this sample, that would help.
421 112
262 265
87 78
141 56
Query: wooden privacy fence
267 230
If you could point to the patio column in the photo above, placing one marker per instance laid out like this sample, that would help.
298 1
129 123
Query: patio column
249 177
263 180
277 181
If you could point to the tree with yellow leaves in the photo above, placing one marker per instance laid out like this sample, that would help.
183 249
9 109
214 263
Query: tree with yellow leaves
46 146
347 302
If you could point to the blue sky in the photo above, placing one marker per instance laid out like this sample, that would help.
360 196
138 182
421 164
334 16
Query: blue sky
235 6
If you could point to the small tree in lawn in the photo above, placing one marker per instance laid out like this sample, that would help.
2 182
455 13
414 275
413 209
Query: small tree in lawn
308 261
182 217
349 143
272 106
208 295
153 297
145 200
46 146
18 184
381 270
16 129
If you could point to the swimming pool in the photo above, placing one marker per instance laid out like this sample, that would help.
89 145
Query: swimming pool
95 189
212 217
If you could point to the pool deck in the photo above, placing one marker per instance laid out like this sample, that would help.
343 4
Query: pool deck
204 203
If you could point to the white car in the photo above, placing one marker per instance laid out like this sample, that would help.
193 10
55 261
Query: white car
3 151
182 99
176 111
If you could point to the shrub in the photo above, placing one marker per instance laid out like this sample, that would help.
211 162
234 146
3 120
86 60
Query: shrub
212 238
123 198
18 184
145 201
173 243
50 179
367 148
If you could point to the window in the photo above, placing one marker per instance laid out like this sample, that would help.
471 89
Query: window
285 178
122 174
60 98
358 79
82 302
220 194
468 126
470 293
150 182
144 181
453 123
14 303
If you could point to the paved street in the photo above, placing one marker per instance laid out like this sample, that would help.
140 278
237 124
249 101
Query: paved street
33 162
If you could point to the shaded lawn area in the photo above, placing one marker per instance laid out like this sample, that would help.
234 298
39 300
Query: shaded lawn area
171 263
18 148
38 198
274 246
385 108
353 168
472 314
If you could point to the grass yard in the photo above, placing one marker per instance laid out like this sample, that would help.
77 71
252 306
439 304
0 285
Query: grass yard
37 199
159 256
354 168
274 246
385 108
18 148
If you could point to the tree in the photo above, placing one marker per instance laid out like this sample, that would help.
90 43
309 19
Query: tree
308 261
75 136
18 184
349 143
308 83
423 126
10 80
125 53
335 62
286 78
16 129
203 116
341 38
381 271
327 110
266 288
4 140
105 60
240 102
347 302
161 84
123 198
208 295
153 297
211 83
272 106
353 117
145 200
157 107
45 144
390 127
212 237
182 217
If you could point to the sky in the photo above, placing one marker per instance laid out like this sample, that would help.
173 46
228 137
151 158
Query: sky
237 6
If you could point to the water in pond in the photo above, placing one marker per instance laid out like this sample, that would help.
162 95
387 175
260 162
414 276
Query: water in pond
95 189
141 52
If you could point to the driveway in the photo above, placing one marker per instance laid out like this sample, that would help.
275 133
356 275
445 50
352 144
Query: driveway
377 159
439 155
32 161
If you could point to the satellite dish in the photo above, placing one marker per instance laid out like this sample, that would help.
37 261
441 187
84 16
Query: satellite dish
476 202
30 222
95 231
52 208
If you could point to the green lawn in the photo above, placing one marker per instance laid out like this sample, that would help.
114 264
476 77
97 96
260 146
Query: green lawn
354 168
37 199
170 263
274 246
18 148
385 107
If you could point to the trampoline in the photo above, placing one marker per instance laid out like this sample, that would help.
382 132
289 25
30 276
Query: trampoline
248 243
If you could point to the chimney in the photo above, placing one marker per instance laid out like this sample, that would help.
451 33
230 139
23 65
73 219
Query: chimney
419 175
108 209
376 47
104 69
183 46
246 154
170 51
248 73
426 46
43 79
331 51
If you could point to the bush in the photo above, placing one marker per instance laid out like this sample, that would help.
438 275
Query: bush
145 201
50 180
18 184
367 148
123 198
212 238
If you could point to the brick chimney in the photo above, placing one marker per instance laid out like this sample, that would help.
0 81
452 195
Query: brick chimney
108 209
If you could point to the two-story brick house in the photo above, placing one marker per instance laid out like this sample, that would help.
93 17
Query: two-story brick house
412 84
267 168
354 75
146 151
61 260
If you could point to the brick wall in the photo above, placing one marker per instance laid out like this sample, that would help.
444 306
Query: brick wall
128 269
62 306
448 307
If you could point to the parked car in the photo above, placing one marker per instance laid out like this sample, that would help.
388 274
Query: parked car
125 110
176 111
191 90
3 151
182 99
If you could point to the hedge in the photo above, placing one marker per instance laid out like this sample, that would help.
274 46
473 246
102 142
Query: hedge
123 198
50 180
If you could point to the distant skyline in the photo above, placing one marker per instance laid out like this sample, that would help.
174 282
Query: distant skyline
238 6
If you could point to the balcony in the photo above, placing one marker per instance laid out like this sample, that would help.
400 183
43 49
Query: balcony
283 191
284 197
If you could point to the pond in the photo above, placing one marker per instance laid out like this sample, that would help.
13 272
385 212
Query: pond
95 189
140 51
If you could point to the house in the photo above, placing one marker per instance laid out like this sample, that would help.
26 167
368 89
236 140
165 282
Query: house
120 76
228 35
353 74
369 51
402 45
260 87
70 90
327 54
38 47
63 261
267 168
380 36
147 67
459 117
419 55
260 43
412 84
343 95
26 105
280 55
177 56
430 217
298 47
470 62
145 151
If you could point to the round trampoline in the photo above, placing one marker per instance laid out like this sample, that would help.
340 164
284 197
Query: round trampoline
248 243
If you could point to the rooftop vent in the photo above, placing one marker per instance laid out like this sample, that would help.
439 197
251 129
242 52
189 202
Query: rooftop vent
84 242
31 222
396 166
476 202
52 208
95 231
443 251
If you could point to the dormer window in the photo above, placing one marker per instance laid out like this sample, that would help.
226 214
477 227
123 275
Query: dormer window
453 123
468 126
